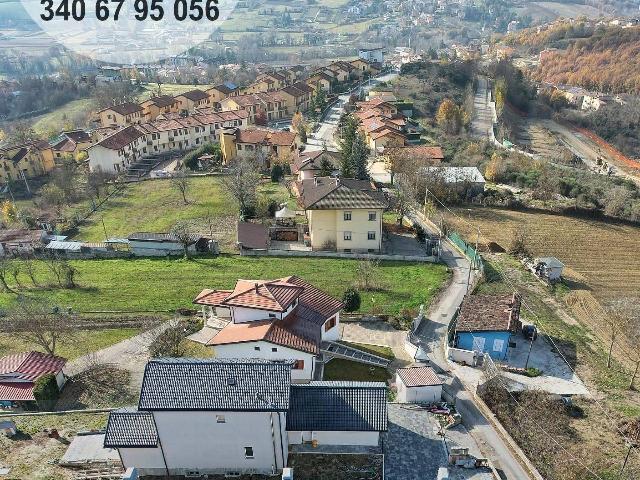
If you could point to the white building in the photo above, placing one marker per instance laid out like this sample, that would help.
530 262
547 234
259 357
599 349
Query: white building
234 417
418 384
283 319
372 55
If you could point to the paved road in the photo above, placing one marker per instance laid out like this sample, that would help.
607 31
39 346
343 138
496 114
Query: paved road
431 334
326 131
482 120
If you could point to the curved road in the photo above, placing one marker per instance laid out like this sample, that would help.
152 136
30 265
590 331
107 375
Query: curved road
432 334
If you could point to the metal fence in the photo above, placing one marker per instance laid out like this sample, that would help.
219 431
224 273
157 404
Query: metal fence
470 252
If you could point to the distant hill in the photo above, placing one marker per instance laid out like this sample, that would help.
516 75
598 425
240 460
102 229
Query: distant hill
601 58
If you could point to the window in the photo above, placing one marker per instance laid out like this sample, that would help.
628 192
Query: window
372 216
330 324
272 315
220 419
498 345
347 236
298 365
257 349
371 235
347 216
248 452
274 349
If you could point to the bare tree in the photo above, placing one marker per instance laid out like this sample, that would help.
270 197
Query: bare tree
617 320
242 183
5 269
97 182
29 268
39 323
367 274
181 183
64 272
184 234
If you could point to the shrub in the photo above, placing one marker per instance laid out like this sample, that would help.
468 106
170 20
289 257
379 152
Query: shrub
351 300
46 392
277 173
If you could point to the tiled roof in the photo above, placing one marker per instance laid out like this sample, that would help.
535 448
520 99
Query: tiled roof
386 131
126 108
16 391
215 384
241 332
194 95
30 365
419 376
130 428
338 406
77 136
274 295
64 145
494 313
331 193
121 138
163 100
424 153
223 89
263 136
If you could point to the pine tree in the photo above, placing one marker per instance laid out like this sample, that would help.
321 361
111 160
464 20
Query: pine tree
359 157
349 134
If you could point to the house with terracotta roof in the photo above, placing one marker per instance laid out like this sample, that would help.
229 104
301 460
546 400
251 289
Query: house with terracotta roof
487 323
308 164
69 144
122 115
320 80
189 101
266 82
261 107
27 160
297 97
261 144
343 214
282 319
218 93
117 151
19 373
239 417
156 106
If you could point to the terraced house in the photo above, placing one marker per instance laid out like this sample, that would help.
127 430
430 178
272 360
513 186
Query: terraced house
261 107
261 144
189 101
160 105
122 115
25 161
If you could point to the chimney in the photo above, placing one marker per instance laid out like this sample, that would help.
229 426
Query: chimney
337 181
315 181
256 286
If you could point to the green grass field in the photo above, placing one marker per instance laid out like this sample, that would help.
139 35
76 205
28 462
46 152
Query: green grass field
147 285
55 120
154 206
80 343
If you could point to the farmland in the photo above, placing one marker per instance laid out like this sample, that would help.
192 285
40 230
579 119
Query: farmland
579 243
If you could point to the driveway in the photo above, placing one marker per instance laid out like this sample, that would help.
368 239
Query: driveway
414 451
378 332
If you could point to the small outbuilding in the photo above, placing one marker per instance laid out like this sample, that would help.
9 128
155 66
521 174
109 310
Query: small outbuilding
148 244
419 384
549 268
252 236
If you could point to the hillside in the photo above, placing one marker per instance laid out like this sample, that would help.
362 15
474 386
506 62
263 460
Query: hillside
605 59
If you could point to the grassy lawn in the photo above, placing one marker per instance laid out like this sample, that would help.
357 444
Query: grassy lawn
339 369
168 89
56 119
81 343
155 206
157 284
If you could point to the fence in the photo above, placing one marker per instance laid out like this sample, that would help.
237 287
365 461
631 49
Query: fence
467 250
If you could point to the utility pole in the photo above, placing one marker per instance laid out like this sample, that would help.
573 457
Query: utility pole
473 262
104 228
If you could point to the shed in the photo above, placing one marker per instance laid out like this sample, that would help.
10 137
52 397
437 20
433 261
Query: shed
252 236
64 246
549 268
419 384
147 244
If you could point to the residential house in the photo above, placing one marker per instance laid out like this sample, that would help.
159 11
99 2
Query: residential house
297 97
156 106
19 373
258 143
486 324
320 80
381 133
235 417
70 144
220 92
122 115
266 82
116 152
261 107
308 164
417 155
189 101
343 214
25 161
372 55
283 319
365 68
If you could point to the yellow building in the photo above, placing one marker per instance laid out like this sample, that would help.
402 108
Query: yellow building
121 115
343 214
160 105
297 97
189 101
25 161
220 92
260 144
70 144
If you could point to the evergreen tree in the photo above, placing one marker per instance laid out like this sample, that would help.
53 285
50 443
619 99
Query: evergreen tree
349 134
326 167
359 157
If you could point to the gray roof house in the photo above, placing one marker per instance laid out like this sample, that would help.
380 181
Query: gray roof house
238 416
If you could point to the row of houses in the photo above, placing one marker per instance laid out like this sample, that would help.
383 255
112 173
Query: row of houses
277 95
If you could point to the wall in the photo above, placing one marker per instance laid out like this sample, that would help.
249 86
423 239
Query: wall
335 438
247 350
426 394
465 340
103 158
322 227
467 357
157 249
195 441
333 334
359 226
148 461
